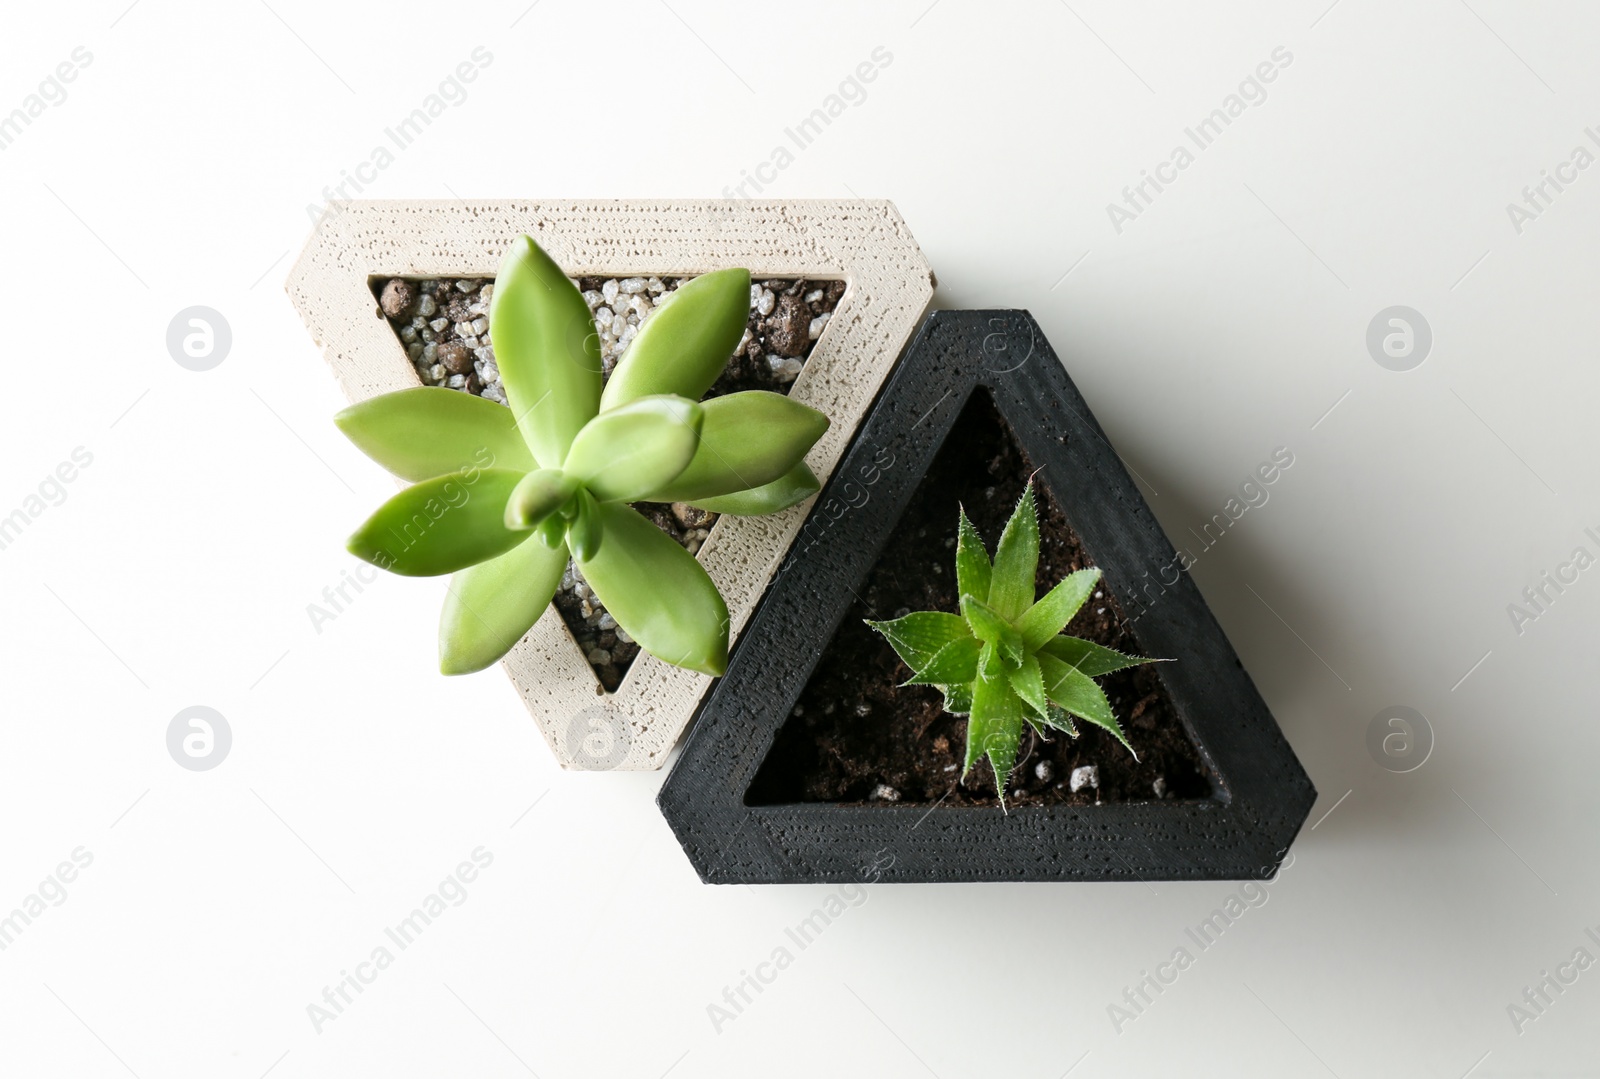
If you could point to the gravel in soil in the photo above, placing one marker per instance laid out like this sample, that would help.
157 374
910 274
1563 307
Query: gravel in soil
443 325
858 736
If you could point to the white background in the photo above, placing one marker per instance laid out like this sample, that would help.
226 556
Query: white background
1227 320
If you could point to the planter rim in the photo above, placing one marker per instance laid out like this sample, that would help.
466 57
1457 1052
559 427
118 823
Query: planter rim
1260 793
863 242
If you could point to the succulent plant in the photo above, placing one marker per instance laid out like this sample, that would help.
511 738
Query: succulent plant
501 497
1004 660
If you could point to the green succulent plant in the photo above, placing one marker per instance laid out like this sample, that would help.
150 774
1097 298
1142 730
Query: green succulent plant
501 497
1003 660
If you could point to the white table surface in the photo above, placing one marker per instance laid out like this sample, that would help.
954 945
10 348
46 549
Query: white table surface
1227 319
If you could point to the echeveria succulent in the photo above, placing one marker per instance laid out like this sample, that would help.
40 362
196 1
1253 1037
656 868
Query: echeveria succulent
1004 660
502 497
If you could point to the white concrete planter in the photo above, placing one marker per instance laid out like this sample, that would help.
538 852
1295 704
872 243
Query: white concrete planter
862 242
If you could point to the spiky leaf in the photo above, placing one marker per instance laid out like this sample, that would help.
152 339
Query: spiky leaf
1057 717
429 431
790 489
748 440
1051 614
956 662
491 605
918 636
633 451
683 346
994 728
1028 683
990 627
537 496
440 525
1016 558
658 592
547 350
1078 694
1089 658
972 561
957 698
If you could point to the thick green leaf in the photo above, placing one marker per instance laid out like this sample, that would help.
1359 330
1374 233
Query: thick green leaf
427 431
957 698
748 440
954 663
1076 692
790 489
1089 658
552 532
919 635
972 561
585 531
547 350
1050 615
440 525
685 345
537 496
994 729
1028 682
658 592
491 605
633 451
988 626
1015 561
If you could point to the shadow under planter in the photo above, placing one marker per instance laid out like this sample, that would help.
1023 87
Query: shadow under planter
810 762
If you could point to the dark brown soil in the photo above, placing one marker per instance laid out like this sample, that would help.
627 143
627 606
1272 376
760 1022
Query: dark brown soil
857 735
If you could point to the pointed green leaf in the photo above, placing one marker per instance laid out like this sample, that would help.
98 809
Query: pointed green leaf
685 344
1076 692
1028 683
1015 560
633 451
1090 658
440 525
1057 717
428 431
658 592
491 605
994 729
957 698
954 663
790 489
748 440
1050 615
584 530
537 496
546 348
988 626
972 561
919 635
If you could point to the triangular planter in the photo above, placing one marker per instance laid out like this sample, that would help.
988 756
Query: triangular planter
861 242
1259 797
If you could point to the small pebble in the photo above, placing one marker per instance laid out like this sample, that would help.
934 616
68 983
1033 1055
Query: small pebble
1160 786
814 331
609 290
885 793
455 357
632 285
1087 775
1044 771
439 325
427 307
398 295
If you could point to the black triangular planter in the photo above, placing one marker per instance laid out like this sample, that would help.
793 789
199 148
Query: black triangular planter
1260 794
